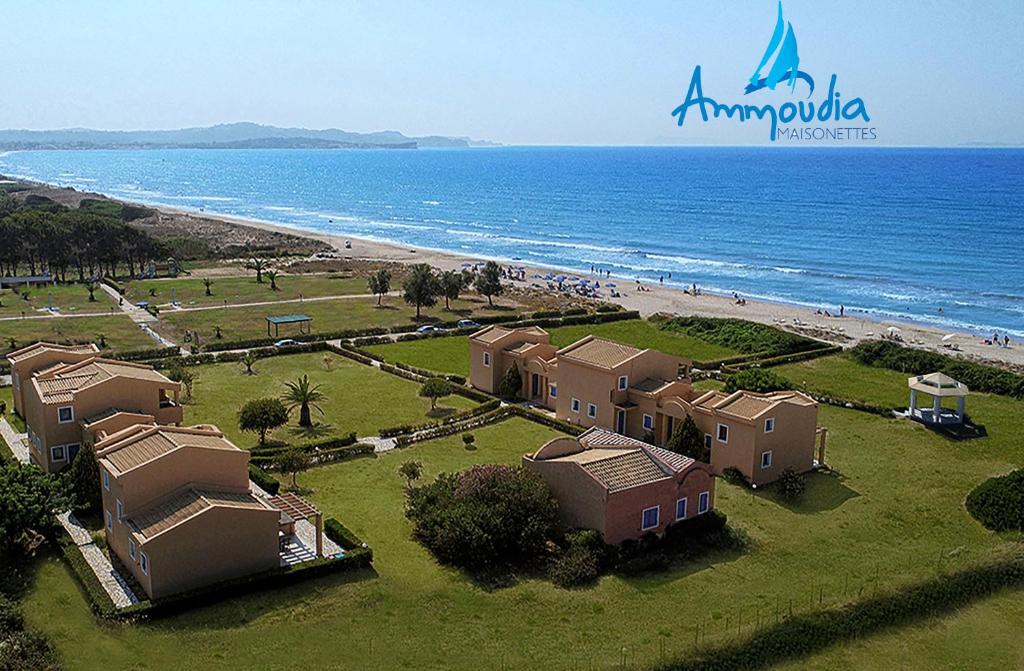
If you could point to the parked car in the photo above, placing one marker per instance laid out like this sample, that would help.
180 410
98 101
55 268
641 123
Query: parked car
468 324
428 329
287 342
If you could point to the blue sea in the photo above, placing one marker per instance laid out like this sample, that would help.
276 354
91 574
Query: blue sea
891 233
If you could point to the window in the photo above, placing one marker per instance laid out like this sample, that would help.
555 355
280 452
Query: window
681 509
769 425
110 521
591 410
57 453
623 382
648 423
144 563
650 518
120 510
131 548
703 502
723 433
554 391
707 440
65 414
766 459
106 480
575 405
487 359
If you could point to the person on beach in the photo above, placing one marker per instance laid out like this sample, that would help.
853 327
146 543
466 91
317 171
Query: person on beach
1006 341
842 310
661 280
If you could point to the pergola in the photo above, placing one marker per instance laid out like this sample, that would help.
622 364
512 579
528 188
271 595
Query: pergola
299 508
288 319
938 386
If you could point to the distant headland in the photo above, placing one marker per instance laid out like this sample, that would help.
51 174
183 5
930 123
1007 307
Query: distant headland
241 135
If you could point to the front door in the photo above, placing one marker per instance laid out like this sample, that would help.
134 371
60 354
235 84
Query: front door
535 386
620 421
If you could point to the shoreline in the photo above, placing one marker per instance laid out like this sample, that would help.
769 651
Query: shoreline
846 331
661 298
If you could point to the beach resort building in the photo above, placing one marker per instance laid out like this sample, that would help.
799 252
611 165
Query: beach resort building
67 395
177 509
645 394
620 486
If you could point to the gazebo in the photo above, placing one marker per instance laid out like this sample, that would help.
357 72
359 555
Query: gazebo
938 386
301 320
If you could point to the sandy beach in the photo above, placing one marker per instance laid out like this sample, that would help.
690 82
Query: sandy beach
846 331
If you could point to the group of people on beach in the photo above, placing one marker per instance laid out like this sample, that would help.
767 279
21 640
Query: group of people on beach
826 313
995 340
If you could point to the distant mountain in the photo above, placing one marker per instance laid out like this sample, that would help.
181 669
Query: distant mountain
242 135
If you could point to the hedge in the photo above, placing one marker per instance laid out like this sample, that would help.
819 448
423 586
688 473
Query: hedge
321 452
99 600
222 345
342 535
264 480
443 430
802 635
742 335
482 409
751 361
546 420
147 354
998 503
978 377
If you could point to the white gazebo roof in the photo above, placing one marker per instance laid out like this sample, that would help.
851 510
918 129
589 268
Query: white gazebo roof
938 384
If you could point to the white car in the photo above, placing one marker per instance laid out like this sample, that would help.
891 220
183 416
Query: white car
428 329
468 324
287 342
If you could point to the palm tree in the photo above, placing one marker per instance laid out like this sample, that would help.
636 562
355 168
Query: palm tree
259 265
303 395
272 276
207 282
249 360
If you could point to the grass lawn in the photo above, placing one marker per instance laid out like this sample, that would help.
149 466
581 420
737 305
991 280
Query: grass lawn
239 323
120 332
359 398
451 355
190 290
893 514
7 398
68 298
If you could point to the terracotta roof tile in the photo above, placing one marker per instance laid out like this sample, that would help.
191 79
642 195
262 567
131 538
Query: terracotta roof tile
629 468
186 504
600 352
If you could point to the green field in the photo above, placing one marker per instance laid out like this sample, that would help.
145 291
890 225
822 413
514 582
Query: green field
239 323
120 332
451 355
189 291
7 398
68 298
359 398
891 514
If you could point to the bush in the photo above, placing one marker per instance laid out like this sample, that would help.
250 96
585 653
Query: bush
978 377
510 384
998 503
741 335
487 515
468 439
342 535
688 441
734 476
82 481
264 480
577 566
758 380
791 485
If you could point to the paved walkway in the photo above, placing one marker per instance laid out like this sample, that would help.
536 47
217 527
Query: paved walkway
112 581
15 440
137 314
379 444
304 299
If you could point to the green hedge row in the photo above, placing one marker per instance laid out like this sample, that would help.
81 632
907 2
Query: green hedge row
315 337
342 535
978 377
769 362
998 503
401 429
802 635
264 480
546 420
741 335
99 600
451 429
147 354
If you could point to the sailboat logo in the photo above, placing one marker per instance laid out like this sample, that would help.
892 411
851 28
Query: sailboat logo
786 67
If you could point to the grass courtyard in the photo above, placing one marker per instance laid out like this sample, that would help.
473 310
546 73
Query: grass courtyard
118 330
451 355
245 322
190 291
359 398
67 298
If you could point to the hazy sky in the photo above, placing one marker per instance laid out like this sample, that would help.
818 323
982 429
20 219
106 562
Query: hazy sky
942 72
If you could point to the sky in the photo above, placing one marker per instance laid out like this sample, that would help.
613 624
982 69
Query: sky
945 72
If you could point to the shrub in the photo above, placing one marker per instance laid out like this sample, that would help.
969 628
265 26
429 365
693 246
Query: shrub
468 439
489 514
82 481
342 535
741 335
688 440
758 380
510 384
998 503
734 476
577 566
791 485
264 480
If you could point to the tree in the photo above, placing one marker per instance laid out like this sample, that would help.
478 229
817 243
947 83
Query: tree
451 286
208 283
435 388
303 395
249 360
179 373
259 265
261 415
410 470
689 441
294 461
28 501
511 384
82 482
488 282
421 287
272 276
379 283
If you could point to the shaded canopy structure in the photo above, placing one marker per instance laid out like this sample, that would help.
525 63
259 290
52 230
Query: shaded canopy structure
938 386
297 508
301 320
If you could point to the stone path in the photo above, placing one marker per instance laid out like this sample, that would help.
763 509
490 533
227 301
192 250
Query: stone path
112 581
137 314
15 440
379 444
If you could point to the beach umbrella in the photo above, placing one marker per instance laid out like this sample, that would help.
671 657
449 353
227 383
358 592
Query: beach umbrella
948 337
